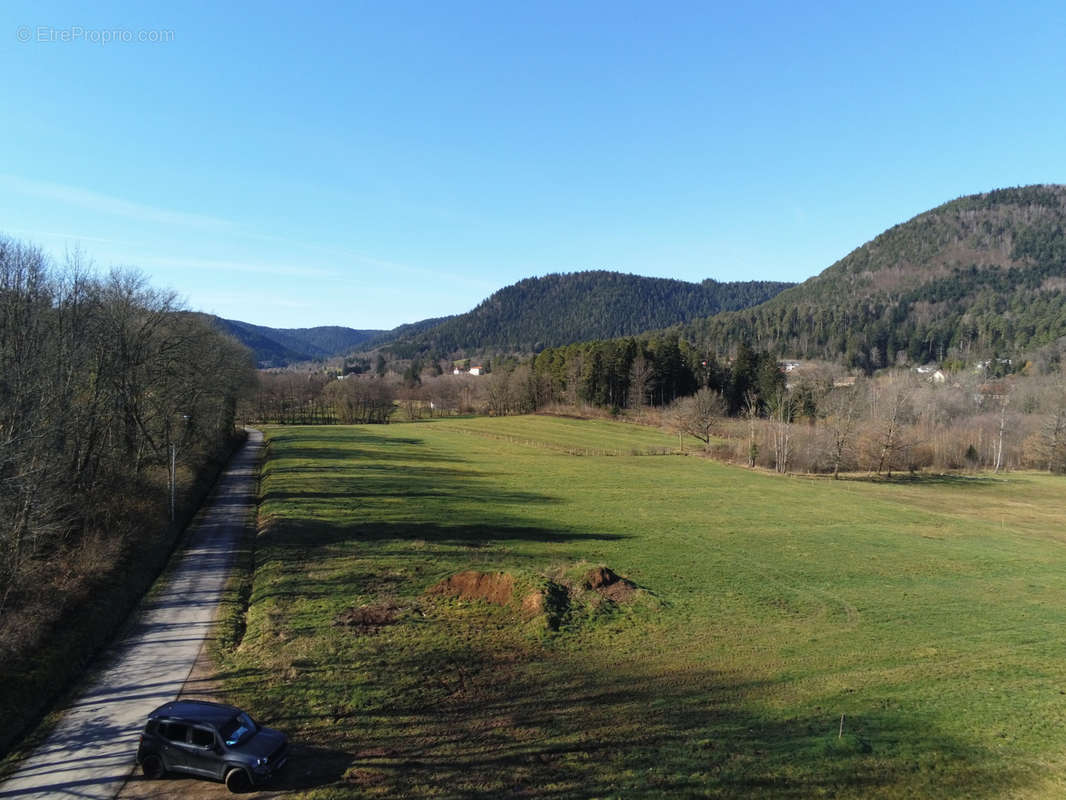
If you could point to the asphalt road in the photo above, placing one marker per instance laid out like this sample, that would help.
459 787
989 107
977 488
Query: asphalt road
91 752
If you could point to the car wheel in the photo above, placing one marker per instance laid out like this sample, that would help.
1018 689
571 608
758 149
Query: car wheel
237 781
152 767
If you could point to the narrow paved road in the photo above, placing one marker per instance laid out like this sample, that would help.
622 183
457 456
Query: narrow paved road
91 752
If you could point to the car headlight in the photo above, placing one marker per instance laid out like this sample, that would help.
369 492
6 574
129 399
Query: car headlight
261 761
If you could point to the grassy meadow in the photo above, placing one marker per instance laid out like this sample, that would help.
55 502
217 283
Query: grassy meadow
791 637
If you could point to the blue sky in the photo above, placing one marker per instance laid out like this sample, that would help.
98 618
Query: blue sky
369 164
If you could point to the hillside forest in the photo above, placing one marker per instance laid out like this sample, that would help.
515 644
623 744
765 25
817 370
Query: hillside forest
979 277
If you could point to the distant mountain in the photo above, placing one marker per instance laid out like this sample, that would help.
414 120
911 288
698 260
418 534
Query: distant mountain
980 276
561 308
277 347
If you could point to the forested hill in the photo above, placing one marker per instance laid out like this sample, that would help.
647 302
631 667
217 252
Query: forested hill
561 308
280 346
977 277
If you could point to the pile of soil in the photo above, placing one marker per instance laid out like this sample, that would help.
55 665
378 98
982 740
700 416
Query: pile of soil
609 585
370 618
554 600
492 587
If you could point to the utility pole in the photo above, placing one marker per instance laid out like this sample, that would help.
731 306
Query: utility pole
174 470
173 476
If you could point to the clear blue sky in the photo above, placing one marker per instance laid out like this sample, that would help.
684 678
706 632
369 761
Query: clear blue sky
369 164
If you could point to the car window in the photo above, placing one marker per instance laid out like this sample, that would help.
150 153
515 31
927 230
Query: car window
174 731
203 737
237 729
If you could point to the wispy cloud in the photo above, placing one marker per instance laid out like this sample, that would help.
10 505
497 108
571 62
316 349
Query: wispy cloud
69 239
221 265
341 253
140 212
244 300
106 204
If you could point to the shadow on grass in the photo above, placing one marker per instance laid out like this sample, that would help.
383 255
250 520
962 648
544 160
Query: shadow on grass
312 436
928 479
387 548
471 508
351 458
469 724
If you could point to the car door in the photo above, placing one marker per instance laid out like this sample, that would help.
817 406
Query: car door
173 737
202 752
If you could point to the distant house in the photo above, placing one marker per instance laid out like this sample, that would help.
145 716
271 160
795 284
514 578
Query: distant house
847 380
788 366
932 372
475 370
994 390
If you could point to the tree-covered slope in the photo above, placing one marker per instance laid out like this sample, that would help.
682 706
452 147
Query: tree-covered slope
561 308
406 331
281 346
980 276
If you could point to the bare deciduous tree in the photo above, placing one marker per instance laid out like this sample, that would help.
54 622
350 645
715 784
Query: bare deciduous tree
1053 440
891 412
782 409
842 407
698 415
751 414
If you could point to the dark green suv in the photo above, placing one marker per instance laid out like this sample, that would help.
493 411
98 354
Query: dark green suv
210 740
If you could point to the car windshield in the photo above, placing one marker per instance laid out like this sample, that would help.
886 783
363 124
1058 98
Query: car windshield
237 729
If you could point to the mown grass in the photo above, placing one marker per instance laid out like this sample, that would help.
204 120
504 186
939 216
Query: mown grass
928 613
573 436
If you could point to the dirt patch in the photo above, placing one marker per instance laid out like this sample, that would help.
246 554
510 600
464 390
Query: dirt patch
493 587
533 604
598 577
609 585
370 618
621 592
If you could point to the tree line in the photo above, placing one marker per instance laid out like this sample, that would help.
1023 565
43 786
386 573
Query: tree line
615 374
103 380
639 372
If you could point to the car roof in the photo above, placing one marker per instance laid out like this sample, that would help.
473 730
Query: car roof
196 711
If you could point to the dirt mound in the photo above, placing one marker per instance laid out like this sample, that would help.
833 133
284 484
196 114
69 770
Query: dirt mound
492 587
609 585
370 618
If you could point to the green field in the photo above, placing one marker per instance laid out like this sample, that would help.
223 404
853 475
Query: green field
930 614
